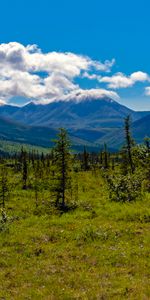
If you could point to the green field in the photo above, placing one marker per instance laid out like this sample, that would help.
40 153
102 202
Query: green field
99 250
14 147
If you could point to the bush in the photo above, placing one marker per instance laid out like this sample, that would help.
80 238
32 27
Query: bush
124 188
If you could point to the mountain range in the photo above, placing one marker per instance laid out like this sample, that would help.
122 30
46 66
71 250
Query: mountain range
89 122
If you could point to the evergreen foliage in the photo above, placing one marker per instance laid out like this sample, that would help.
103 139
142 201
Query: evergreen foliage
62 157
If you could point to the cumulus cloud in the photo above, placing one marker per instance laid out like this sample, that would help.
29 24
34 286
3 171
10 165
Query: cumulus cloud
119 80
28 72
139 76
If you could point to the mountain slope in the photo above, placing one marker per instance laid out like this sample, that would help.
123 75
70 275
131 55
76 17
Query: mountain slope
13 131
35 135
89 113
140 129
7 111
91 122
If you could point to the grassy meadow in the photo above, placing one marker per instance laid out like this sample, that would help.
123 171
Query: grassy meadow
99 249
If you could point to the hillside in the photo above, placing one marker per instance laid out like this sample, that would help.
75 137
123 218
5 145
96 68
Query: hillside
140 129
89 113
13 131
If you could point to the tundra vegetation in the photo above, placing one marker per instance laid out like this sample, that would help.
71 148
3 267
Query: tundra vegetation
75 225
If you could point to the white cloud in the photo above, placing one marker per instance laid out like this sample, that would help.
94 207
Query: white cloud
147 91
139 76
81 95
28 72
91 76
120 80
92 93
2 102
31 59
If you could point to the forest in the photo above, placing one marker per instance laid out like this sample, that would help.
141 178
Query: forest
75 225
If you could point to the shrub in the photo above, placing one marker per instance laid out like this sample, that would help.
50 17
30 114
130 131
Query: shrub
124 188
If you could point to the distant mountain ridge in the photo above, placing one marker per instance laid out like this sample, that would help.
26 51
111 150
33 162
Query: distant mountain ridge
13 131
89 113
140 130
35 135
91 122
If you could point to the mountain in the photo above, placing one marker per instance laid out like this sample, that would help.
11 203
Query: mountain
140 129
90 122
35 135
7 110
13 131
88 113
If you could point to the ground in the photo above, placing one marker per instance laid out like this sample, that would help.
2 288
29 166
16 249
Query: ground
100 250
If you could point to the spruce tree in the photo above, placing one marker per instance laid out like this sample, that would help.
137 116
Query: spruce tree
129 143
4 187
24 169
85 159
106 164
147 162
62 157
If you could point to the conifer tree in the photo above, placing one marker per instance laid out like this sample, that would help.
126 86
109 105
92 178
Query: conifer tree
24 169
61 154
106 165
129 143
85 160
4 188
147 162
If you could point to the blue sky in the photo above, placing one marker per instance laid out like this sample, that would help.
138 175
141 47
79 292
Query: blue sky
101 30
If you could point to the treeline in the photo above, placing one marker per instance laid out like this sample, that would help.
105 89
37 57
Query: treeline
126 173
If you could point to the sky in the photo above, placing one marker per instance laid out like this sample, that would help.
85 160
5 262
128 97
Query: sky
62 49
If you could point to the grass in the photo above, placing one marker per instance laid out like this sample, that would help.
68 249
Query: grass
98 251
